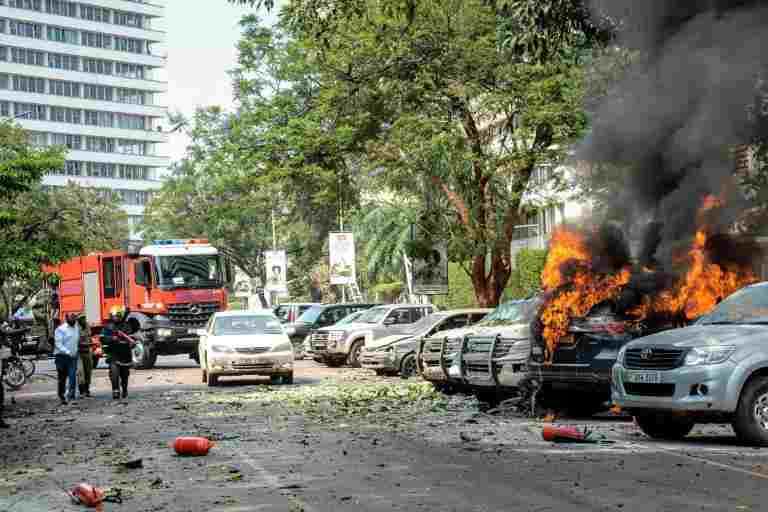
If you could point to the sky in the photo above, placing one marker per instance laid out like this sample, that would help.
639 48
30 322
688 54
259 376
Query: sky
200 45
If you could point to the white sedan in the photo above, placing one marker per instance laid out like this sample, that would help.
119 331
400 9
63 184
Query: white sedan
237 343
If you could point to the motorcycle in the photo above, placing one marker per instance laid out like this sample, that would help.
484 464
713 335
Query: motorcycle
15 369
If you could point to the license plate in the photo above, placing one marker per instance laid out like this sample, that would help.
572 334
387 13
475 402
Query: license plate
643 377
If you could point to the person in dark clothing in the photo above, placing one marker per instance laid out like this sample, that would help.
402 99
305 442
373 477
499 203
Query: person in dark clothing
117 346
85 364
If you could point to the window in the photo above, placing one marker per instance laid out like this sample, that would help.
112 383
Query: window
72 168
137 197
127 44
2 26
4 81
4 53
30 111
5 109
133 172
64 139
130 122
61 7
91 13
38 139
97 40
28 84
129 19
100 144
25 56
131 147
101 170
131 96
32 5
97 92
129 70
102 67
66 115
108 276
63 88
24 29
62 35
94 118
59 61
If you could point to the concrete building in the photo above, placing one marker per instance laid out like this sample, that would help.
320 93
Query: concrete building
83 75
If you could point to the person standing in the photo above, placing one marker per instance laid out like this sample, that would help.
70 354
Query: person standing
66 341
117 347
85 364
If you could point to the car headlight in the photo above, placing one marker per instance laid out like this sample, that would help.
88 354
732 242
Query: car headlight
336 335
221 348
283 347
708 355
164 333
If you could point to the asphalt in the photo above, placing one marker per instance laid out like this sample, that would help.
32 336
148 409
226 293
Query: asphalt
268 458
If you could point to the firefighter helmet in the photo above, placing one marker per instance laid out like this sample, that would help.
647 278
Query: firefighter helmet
117 312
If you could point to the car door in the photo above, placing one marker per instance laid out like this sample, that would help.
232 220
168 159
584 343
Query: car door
202 344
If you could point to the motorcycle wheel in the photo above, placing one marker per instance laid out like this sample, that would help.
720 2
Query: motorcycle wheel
14 376
29 367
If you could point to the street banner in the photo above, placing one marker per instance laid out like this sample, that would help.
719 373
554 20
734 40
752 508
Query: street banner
430 267
277 267
341 248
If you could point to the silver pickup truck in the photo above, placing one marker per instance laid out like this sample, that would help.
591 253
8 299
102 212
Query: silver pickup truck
336 345
715 371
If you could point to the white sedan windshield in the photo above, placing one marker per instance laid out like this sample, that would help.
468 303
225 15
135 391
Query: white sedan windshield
246 325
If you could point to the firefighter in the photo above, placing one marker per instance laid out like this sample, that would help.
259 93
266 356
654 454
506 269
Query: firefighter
117 348
85 365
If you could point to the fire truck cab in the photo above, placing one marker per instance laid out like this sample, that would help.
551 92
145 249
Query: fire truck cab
171 288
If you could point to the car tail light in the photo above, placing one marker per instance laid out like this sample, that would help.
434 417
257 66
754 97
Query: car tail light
612 328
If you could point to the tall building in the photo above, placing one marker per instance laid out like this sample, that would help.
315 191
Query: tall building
83 75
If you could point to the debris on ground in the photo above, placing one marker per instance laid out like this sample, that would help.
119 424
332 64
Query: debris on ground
193 446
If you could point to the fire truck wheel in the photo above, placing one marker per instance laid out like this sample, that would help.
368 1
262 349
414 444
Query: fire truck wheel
144 356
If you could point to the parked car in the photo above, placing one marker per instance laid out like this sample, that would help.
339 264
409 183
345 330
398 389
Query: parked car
289 312
440 357
715 371
336 345
396 353
578 378
236 343
307 344
319 316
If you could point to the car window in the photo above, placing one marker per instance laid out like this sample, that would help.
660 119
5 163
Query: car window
373 316
328 317
401 316
311 315
243 325
455 322
748 305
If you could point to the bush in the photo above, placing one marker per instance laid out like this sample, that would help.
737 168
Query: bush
461 293
526 277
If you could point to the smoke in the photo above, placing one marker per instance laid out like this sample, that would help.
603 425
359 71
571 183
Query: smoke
674 119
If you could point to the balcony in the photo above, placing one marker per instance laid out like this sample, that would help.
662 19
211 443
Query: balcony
96 131
81 24
119 158
82 103
84 78
113 183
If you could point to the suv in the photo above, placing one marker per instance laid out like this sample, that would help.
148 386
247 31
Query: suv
451 363
336 344
288 313
715 371
320 316
396 353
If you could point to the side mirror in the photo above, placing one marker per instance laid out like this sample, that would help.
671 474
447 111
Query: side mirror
389 321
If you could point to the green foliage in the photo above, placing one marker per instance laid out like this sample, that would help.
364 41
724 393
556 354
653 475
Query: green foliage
384 232
460 290
526 277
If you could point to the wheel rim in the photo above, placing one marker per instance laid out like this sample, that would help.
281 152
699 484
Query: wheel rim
356 353
14 376
409 367
138 353
761 411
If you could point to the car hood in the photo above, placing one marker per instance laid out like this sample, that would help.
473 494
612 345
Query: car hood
354 326
263 340
387 340
703 335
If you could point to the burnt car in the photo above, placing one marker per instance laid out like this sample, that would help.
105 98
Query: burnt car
444 359
578 377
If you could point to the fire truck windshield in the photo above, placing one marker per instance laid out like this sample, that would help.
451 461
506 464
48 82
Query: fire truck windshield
190 271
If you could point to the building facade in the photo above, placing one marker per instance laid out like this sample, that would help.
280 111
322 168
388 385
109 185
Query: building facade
82 74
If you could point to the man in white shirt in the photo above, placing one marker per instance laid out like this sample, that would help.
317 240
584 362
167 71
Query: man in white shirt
66 338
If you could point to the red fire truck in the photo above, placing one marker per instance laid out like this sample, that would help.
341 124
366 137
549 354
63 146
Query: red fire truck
171 288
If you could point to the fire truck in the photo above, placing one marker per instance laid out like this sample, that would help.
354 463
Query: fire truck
170 289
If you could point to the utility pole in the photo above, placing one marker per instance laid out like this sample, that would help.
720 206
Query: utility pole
274 231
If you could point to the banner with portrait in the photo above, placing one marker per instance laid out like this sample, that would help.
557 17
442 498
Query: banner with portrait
430 266
341 248
277 266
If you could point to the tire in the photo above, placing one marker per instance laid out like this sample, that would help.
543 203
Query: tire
751 420
664 426
28 366
213 380
14 376
144 356
354 354
334 363
275 380
408 367
288 379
